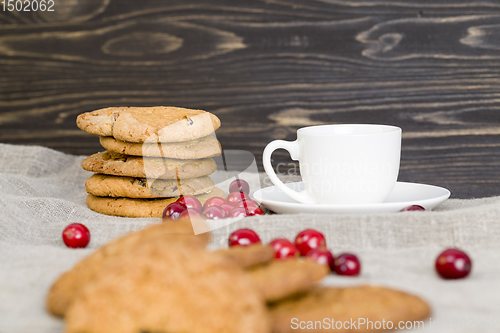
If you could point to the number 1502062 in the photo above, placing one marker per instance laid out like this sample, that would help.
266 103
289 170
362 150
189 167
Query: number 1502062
27 5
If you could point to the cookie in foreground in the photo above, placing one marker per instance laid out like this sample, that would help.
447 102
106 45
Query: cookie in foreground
248 256
375 304
190 291
283 278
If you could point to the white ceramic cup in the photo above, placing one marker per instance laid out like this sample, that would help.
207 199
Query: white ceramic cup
341 164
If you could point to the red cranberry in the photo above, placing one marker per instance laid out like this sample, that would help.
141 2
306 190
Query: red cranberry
189 214
413 208
453 264
254 210
309 239
76 235
191 202
239 185
237 212
227 207
174 210
246 202
323 257
243 237
251 207
283 248
347 264
214 213
235 197
215 201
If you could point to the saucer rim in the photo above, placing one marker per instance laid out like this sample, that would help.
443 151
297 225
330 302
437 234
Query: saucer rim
257 195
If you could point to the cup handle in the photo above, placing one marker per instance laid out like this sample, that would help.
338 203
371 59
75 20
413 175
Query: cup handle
293 148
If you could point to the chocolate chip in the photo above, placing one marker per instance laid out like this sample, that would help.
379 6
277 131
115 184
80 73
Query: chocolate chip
175 188
142 182
189 120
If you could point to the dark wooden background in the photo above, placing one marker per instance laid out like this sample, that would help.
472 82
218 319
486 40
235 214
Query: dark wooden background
267 68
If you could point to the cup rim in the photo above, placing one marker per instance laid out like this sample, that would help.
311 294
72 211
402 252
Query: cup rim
308 130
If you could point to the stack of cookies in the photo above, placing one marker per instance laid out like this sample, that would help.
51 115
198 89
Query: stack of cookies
153 156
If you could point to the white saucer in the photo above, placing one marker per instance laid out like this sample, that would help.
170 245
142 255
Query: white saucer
402 196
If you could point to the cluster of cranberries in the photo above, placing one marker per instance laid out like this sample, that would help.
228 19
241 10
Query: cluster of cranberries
308 243
450 264
236 204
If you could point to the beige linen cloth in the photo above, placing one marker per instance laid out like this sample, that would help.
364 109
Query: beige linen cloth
42 191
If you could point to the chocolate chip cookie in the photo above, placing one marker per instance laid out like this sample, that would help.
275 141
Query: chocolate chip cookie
113 186
149 124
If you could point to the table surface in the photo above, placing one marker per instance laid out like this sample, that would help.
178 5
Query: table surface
267 68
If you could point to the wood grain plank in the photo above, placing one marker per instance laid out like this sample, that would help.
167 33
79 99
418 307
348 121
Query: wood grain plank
267 68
